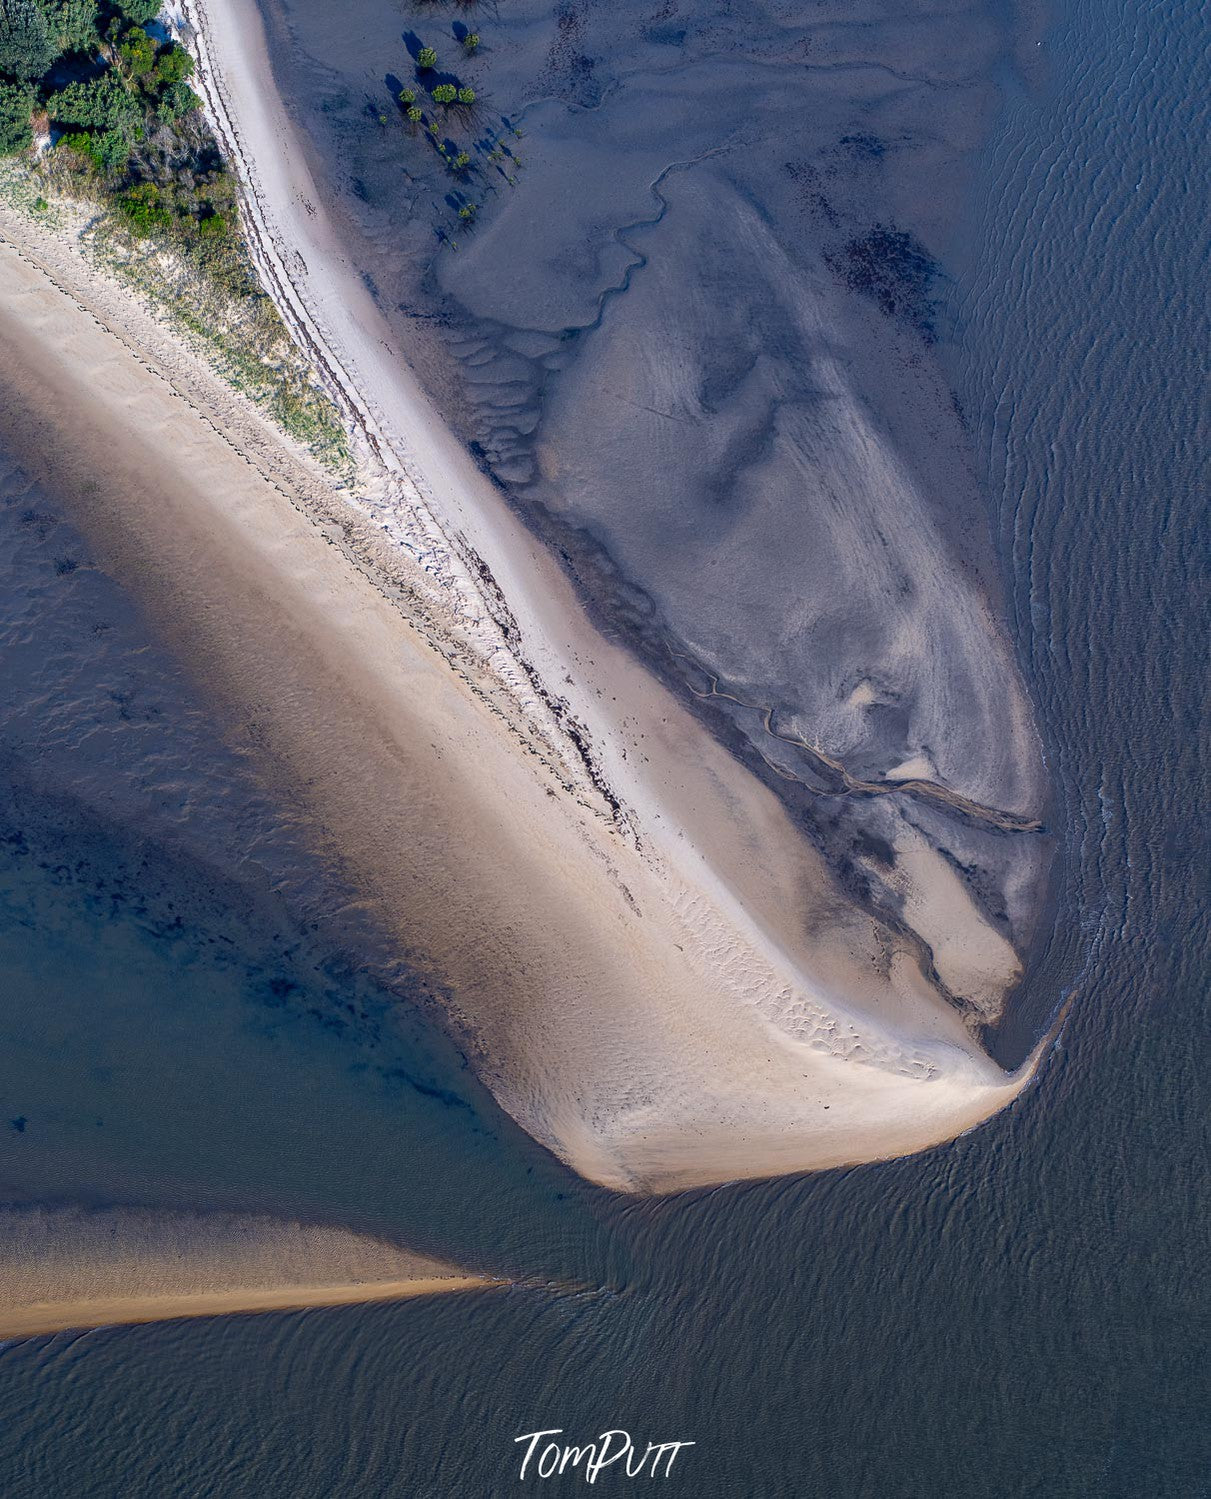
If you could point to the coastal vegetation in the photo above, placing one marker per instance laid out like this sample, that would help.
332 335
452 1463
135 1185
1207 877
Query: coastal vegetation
485 155
111 105
96 111
16 105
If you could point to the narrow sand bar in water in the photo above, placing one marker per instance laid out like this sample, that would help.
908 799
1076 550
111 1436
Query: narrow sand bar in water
64 1268
667 992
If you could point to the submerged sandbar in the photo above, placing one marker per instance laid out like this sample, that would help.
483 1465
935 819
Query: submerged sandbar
64 1268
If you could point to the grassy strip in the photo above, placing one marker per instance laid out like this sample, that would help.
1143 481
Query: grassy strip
239 334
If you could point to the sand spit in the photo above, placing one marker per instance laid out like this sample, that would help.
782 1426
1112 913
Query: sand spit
654 972
66 1268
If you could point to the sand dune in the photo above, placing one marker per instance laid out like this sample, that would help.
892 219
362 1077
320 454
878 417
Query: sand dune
651 968
76 1268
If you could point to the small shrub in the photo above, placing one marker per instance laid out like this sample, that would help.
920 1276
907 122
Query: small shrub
466 96
107 150
407 96
467 212
78 141
414 114
471 40
143 209
462 161
445 93
426 58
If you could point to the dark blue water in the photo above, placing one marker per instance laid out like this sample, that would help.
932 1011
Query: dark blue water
1024 1312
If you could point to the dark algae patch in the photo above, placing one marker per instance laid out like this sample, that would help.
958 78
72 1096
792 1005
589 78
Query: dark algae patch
893 269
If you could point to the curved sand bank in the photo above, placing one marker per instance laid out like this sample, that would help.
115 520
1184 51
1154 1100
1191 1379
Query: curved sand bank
672 994
76 1268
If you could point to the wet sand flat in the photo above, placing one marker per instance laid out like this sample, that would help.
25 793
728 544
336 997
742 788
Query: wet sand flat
692 333
629 1004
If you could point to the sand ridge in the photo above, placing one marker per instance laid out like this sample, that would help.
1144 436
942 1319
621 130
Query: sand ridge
687 1006
72 1267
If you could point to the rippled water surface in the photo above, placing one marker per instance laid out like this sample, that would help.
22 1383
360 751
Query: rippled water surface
1023 1312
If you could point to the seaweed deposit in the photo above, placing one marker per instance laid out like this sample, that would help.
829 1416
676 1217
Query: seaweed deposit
891 268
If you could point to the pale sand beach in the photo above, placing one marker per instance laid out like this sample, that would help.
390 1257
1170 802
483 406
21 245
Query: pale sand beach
652 969
73 1268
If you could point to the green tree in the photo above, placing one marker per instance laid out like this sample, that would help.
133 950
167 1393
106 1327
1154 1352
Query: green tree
471 40
178 99
72 24
466 96
138 52
112 148
414 114
16 105
407 96
174 65
467 211
426 58
101 103
462 161
140 11
25 45
445 93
